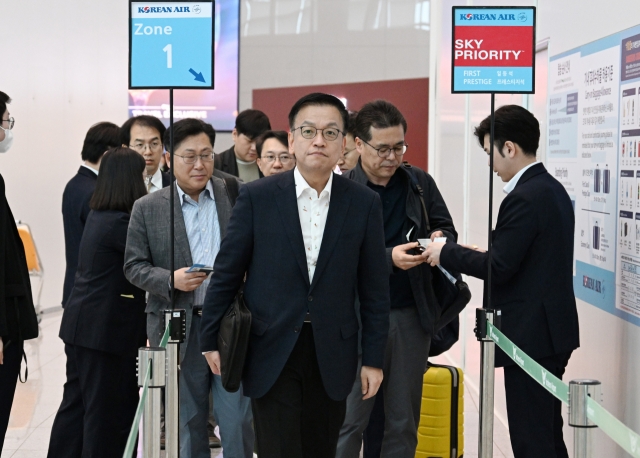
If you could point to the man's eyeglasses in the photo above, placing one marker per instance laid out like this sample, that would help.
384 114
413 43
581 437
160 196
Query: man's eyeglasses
384 150
141 147
269 158
193 158
310 132
9 121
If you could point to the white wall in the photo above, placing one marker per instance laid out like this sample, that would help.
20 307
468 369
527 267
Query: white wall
608 344
64 63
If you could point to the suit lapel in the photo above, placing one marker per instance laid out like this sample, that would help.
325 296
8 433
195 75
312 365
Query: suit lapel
223 206
179 228
338 209
288 207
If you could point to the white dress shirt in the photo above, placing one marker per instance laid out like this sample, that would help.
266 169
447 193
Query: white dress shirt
156 181
510 186
312 210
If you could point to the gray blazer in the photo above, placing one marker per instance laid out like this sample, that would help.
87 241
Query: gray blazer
147 258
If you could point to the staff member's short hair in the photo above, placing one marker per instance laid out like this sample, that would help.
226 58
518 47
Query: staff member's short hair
4 101
100 137
188 128
142 120
512 123
120 181
279 135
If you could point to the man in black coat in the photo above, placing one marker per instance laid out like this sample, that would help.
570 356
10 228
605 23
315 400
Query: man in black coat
240 159
531 278
77 194
18 321
380 131
308 240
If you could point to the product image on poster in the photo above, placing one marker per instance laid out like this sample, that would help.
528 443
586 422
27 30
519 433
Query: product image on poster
493 50
218 106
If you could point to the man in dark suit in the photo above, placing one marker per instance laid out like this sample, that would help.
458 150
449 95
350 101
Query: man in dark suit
144 134
18 320
531 278
77 194
297 236
240 159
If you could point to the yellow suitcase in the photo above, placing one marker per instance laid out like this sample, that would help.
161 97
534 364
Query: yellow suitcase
441 429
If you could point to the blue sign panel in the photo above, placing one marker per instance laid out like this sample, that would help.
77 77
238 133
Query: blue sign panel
493 50
171 45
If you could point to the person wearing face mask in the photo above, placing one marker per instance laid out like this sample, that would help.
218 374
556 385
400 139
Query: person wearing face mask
18 321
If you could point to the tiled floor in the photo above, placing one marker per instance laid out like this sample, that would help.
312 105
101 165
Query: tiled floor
37 401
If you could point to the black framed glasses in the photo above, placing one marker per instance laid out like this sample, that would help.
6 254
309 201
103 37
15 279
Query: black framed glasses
284 158
10 121
193 158
384 150
310 132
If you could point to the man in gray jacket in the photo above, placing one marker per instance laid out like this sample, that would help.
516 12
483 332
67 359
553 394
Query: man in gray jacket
202 206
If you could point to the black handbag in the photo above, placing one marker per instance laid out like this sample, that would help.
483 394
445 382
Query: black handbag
233 342
451 291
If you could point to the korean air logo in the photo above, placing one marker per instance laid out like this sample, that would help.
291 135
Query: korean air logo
522 17
487 17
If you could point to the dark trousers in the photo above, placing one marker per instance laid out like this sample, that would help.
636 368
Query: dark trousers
98 405
9 371
297 418
535 416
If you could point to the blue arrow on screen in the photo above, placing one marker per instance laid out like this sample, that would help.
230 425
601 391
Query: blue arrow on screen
198 76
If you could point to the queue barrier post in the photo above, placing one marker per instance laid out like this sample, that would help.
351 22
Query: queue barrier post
487 379
579 390
153 361
177 318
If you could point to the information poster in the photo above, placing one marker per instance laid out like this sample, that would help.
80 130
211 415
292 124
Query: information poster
594 151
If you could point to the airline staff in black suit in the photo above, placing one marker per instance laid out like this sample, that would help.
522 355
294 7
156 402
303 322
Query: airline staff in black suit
531 278
103 323
77 194
308 240
18 320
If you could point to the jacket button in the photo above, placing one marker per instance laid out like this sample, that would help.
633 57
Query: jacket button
310 298
296 329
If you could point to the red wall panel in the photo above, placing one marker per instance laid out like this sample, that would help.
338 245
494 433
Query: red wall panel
410 96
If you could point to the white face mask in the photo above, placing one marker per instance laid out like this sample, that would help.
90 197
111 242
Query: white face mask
5 144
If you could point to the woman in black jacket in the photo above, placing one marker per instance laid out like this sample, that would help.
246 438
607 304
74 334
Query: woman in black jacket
18 320
103 323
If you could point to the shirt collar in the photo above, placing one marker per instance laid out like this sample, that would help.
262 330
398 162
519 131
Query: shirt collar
182 194
156 179
90 168
510 186
302 185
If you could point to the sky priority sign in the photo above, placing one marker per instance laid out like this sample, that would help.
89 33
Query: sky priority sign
493 50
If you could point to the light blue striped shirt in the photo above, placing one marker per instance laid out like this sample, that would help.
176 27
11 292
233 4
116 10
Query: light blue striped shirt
203 231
